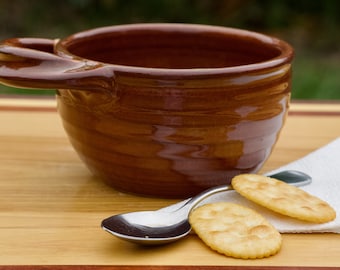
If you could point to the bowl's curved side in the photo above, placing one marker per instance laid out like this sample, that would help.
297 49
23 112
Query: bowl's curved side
168 141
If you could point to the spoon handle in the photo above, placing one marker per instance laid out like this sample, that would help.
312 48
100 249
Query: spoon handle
292 177
205 194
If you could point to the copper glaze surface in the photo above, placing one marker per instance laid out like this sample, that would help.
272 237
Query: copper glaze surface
162 109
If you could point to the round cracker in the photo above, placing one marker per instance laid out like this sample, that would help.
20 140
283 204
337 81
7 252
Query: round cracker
283 198
235 230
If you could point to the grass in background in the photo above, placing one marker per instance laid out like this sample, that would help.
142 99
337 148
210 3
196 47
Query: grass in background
316 78
7 90
311 27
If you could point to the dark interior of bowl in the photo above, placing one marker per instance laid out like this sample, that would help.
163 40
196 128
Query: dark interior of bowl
174 49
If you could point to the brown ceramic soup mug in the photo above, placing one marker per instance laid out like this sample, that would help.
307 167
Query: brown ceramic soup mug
166 110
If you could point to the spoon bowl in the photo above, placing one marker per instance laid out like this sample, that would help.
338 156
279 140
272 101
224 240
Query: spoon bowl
147 227
171 223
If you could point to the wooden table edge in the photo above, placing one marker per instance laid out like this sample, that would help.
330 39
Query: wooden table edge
49 104
157 267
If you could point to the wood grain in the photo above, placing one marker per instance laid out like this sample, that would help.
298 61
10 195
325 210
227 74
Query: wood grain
51 206
152 267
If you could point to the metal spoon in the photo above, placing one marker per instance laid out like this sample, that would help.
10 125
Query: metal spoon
171 223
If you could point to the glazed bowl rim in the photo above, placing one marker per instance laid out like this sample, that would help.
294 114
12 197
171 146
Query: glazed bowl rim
284 57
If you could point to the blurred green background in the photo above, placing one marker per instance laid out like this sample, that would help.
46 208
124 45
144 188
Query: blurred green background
311 27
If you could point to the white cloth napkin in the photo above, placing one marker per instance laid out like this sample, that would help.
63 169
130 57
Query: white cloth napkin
323 165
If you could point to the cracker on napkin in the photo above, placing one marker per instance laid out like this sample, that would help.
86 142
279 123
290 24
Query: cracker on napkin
283 198
235 230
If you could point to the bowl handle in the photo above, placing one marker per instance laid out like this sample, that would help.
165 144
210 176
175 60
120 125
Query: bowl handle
31 63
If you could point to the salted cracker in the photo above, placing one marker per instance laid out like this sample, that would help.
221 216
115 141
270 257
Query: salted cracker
283 198
235 230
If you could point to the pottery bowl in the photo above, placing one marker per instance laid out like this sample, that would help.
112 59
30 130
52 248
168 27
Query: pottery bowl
165 110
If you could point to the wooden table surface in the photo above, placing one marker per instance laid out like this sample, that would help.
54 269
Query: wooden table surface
51 207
